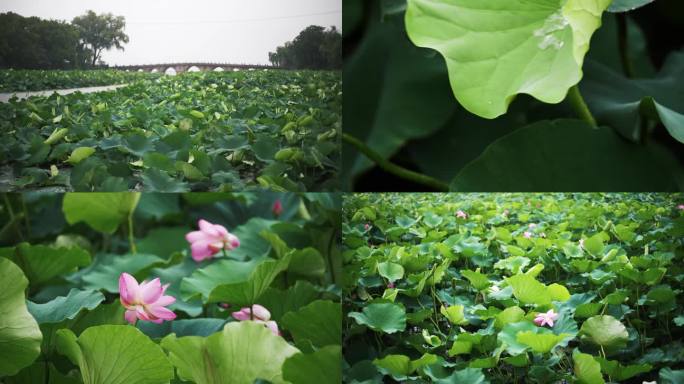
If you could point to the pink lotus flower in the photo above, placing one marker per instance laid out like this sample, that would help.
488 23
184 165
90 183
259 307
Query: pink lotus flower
546 318
680 207
277 208
260 315
461 215
144 301
210 239
390 285
527 235
366 227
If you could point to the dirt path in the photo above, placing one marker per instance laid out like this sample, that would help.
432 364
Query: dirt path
5 97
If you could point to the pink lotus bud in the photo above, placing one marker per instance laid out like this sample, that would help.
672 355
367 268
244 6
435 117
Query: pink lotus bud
390 285
461 215
546 318
277 208
144 301
680 207
527 235
224 305
209 240
261 316
366 227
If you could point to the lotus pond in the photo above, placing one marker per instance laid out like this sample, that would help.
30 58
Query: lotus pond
229 131
159 288
513 288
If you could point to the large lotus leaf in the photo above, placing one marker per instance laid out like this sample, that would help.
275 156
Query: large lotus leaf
242 353
496 49
621 102
41 263
105 270
528 290
65 307
252 245
20 335
509 315
279 302
627 5
319 322
478 280
454 313
391 271
401 366
174 276
587 369
670 376
605 331
204 280
568 155
509 336
540 342
102 211
463 376
383 317
237 283
163 241
115 353
386 101
184 327
321 366
42 372
620 372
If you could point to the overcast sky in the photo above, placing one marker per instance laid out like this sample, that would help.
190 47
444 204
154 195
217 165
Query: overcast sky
168 31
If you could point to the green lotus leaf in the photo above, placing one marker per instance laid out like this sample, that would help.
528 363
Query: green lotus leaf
41 263
40 372
454 313
509 315
279 302
235 282
528 290
497 49
240 354
605 331
508 336
463 376
540 342
107 352
401 366
105 270
391 271
185 327
319 322
603 161
321 366
478 280
102 211
382 317
627 5
670 376
587 369
20 335
432 220
65 307
620 372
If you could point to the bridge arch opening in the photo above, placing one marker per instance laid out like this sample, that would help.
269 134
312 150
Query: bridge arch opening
155 70
194 68
141 70
170 71
218 69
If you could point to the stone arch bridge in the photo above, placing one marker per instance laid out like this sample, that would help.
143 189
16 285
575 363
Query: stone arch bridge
184 67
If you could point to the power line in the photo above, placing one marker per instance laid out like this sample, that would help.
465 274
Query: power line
236 21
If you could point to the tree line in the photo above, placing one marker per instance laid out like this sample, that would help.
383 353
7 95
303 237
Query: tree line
34 43
314 48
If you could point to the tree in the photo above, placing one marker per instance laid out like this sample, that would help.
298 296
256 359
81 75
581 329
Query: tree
101 32
32 43
314 48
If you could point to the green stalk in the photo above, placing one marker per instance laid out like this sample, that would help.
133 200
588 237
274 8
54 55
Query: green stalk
394 169
580 106
131 238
